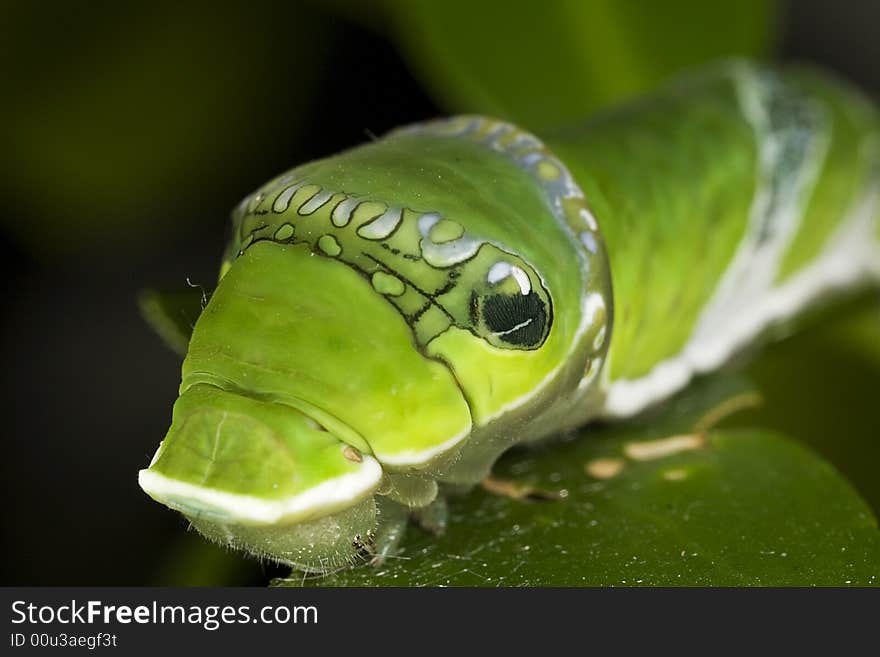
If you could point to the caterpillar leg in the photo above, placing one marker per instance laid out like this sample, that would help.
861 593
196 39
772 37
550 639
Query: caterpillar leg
434 517
393 518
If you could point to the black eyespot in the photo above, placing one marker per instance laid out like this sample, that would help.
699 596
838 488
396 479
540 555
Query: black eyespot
515 319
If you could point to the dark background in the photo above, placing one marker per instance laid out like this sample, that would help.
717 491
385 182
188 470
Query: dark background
235 96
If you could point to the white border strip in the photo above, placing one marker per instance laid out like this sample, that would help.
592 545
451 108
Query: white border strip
322 499
847 260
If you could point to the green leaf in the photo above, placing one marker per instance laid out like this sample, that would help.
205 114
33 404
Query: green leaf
553 62
172 314
727 507
820 386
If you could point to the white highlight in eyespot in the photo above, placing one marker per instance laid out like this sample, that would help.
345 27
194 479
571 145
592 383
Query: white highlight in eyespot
501 270
515 328
327 497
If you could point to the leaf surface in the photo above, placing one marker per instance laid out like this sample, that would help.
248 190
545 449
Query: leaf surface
665 501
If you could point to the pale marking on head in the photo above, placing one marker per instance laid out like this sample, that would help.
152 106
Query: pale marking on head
284 232
283 201
450 253
589 219
269 189
314 203
341 214
589 241
445 230
329 245
387 284
382 226
445 254
323 498
426 223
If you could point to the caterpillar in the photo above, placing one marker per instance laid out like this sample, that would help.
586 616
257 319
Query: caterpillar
389 320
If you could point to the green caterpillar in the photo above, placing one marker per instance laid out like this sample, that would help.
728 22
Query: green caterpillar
391 319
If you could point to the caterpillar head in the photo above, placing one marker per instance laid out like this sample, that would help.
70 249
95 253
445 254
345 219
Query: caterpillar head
386 318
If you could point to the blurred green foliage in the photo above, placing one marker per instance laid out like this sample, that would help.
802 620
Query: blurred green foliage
172 314
820 385
543 64
115 112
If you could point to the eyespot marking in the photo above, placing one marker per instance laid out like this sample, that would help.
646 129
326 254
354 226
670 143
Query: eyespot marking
382 226
515 319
